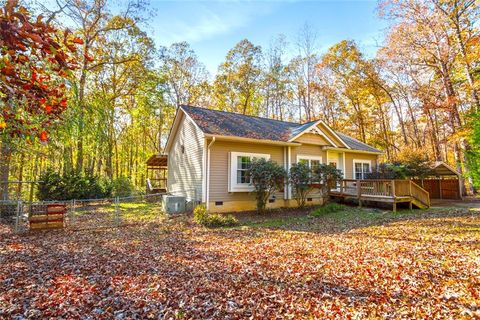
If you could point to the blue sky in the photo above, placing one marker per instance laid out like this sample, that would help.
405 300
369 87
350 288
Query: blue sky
214 27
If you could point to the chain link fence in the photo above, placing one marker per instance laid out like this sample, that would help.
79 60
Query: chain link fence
87 213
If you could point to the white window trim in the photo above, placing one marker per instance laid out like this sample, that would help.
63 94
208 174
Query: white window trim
355 161
233 186
308 157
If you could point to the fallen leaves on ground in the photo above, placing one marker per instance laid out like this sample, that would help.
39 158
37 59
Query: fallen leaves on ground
419 266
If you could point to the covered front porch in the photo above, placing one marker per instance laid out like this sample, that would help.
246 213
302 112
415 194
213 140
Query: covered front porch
390 191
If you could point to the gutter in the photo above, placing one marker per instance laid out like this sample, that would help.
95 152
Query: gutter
251 140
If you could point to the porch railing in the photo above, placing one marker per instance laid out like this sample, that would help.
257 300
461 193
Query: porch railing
382 188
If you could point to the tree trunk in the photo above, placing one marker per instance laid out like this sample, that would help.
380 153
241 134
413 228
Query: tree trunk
20 175
5 157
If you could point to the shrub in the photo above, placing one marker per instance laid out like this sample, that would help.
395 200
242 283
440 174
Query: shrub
328 208
122 187
329 176
212 220
416 164
266 177
387 171
54 186
301 181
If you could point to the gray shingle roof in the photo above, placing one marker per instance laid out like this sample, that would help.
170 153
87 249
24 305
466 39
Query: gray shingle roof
238 125
356 144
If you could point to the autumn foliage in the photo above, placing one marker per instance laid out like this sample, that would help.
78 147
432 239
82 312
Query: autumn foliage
416 266
35 62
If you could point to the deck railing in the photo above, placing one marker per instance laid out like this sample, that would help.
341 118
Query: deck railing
420 193
382 188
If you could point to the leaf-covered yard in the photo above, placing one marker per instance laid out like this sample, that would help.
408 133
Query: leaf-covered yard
354 263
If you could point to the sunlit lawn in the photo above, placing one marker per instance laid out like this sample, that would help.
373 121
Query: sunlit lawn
358 263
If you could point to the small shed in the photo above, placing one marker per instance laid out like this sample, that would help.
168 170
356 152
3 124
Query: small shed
157 174
444 183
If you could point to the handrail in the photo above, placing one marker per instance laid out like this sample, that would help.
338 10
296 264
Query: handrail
420 194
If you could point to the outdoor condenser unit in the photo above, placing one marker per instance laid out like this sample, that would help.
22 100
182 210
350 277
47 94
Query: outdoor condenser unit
173 204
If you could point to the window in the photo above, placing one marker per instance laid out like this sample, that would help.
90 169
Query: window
361 168
313 162
243 164
240 162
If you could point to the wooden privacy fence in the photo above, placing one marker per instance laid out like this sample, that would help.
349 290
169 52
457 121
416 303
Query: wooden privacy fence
441 188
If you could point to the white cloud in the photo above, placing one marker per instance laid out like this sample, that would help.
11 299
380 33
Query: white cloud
200 22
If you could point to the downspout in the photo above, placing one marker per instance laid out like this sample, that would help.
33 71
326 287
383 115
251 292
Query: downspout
285 166
289 165
208 174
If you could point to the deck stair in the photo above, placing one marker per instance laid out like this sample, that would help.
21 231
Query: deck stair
390 191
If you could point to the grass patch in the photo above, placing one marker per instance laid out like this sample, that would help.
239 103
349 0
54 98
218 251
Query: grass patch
140 212
328 209
276 222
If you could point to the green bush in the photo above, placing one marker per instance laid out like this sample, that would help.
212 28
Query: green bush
329 176
122 187
388 171
212 220
266 177
54 186
300 177
328 208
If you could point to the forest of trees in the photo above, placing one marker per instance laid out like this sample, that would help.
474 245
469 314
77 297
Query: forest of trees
418 95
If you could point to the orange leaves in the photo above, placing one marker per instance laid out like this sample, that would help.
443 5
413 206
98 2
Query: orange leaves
77 40
89 58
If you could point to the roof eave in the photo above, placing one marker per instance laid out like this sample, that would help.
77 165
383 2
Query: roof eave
252 140
354 150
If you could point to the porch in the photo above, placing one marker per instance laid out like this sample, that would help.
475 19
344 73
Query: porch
390 191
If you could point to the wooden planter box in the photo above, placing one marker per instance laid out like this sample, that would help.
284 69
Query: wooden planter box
52 217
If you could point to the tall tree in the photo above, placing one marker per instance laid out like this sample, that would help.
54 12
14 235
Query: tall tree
237 84
93 21
36 60
275 80
186 77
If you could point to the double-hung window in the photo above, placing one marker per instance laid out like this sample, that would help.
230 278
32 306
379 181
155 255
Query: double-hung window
361 168
240 162
313 162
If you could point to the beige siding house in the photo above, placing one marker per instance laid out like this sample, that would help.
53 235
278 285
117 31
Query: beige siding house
209 151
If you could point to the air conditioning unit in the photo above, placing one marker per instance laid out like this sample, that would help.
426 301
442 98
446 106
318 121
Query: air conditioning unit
173 204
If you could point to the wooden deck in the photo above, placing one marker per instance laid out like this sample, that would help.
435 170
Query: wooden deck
390 191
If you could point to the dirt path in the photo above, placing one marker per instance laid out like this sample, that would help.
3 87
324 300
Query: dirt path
472 203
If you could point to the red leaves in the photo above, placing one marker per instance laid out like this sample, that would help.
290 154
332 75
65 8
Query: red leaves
43 136
30 78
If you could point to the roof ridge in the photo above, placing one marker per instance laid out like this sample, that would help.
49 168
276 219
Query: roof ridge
246 115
